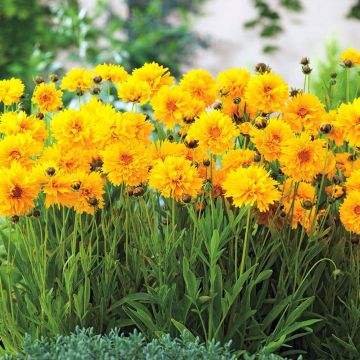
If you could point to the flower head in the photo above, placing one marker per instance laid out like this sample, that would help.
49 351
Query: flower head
134 90
232 83
11 91
18 190
234 159
350 212
251 186
214 131
77 79
47 97
352 55
111 72
175 177
266 93
126 163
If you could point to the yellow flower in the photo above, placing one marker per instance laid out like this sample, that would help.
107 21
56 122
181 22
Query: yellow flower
353 182
234 159
169 105
175 177
302 158
88 190
77 79
134 90
47 97
350 212
68 158
160 150
336 134
346 163
154 75
214 131
351 55
201 85
20 149
18 190
232 83
55 184
126 163
336 191
72 127
11 91
13 123
304 111
266 93
112 72
251 186
348 120
270 141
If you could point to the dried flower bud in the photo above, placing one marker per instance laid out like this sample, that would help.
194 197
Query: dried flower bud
50 171
39 79
186 198
97 79
138 191
305 61
306 69
326 128
206 162
54 78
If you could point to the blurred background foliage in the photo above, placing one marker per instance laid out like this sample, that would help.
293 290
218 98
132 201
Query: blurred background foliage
39 36
34 34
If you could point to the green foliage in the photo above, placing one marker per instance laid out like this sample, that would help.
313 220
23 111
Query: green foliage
332 91
83 344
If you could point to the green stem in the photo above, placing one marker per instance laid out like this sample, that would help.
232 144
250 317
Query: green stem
246 242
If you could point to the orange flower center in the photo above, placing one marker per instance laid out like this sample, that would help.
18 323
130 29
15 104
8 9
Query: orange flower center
304 155
45 97
357 210
16 192
302 112
15 154
276 137
267 88
126 158
215 132
171 106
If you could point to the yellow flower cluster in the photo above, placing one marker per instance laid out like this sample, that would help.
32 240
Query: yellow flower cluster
239 136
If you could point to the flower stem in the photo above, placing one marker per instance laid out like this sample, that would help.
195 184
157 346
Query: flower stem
246 242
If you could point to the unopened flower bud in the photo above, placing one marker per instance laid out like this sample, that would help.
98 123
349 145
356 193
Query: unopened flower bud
15 219
192 144
257 157
348 63
97 79
186 198
305 61
54 78
333 75
79 92
326 128
307 204
50 171
138 191
306 69
39 80
93 202
262 68
206 162
39 115
96 91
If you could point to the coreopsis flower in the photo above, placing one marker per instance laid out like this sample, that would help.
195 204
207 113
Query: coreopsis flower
237 109
246 128
269 141
201 85
232 83
88 190
298 191
126 163
234 159
68 158
353 181
302 158
136 127
298 215
154 75
134 90
13 123
77 79
11 90
304 112
47 97
346 163
161 149
175 177
352 55
169 105
20 149
18 190
336 133
214 131
251 186
335 191
72 127
55 184
348 120
266 93
111 72
350 212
